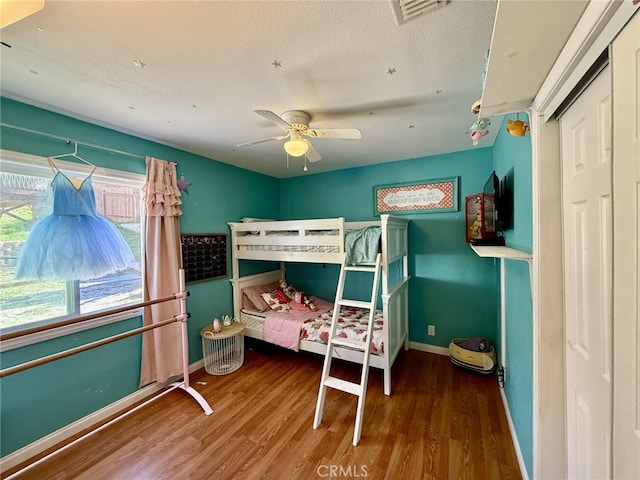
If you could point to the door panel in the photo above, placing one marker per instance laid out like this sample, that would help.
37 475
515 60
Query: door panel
626 228
587 252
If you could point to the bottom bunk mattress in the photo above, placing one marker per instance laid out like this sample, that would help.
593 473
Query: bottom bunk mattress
281 327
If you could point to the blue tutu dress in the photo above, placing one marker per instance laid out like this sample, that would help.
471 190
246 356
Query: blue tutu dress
73 242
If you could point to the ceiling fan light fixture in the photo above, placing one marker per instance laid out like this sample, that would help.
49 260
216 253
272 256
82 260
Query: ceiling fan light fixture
296 147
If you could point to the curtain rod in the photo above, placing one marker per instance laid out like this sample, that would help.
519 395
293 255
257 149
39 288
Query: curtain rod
69 140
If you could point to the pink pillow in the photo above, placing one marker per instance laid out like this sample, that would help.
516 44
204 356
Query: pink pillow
252 296
274 303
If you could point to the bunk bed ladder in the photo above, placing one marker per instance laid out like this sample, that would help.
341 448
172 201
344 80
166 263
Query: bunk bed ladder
357 389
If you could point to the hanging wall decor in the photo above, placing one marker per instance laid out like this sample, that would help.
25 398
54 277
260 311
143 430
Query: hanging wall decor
183 185
428 196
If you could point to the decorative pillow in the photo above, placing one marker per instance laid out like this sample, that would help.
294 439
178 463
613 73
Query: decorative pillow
281 296
252 296
274 303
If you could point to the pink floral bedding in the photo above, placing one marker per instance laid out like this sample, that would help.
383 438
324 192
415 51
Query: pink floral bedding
288 328
283 327
352 324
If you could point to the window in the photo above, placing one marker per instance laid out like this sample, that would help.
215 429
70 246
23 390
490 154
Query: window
26 197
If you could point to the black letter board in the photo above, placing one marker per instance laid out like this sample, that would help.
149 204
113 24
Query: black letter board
204 256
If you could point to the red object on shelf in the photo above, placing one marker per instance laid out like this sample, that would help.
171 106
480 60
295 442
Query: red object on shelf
480 218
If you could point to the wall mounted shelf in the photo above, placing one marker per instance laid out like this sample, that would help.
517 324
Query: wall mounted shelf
496 251
516 69
504 253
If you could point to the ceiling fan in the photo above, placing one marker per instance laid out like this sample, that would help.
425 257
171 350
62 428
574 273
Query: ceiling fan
295 123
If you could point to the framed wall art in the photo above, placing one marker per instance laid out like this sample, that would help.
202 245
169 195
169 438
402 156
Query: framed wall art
426 196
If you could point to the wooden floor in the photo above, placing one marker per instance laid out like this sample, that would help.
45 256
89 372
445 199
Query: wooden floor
440 423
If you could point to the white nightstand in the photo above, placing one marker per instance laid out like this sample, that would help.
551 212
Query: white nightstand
223 351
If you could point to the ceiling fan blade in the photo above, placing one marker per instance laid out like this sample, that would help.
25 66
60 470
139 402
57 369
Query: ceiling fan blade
312 153
255 142
347 133
273 118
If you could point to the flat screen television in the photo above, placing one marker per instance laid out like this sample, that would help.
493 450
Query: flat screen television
487 214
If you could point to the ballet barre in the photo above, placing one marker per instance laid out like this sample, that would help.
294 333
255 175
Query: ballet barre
89 316
183 385
72 351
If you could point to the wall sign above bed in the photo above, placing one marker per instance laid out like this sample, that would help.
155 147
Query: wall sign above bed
204 256
427 196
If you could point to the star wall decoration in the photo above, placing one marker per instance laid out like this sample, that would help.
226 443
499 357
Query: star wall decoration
183 185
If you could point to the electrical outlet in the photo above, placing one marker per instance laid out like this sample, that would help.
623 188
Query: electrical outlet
431 330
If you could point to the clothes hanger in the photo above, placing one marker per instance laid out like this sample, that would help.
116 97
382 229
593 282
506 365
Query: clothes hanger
74 154
77 182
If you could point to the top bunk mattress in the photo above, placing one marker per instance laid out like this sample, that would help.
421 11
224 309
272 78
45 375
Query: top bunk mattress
291 241
315 240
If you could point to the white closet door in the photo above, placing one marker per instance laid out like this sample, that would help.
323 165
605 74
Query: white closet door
626 265
587 242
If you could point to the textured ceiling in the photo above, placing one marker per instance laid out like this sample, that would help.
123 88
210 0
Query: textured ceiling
190 74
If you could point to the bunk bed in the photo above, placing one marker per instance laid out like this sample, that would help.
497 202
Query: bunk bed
323 241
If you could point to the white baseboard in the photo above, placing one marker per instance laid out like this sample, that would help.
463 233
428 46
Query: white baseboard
514 437
426 347
30 451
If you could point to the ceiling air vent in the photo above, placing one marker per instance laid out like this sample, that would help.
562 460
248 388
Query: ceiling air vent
406 10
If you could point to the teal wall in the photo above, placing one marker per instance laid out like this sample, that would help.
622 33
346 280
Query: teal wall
39 401
512 158
443 268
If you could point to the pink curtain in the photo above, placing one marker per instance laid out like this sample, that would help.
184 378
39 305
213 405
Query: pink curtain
161 347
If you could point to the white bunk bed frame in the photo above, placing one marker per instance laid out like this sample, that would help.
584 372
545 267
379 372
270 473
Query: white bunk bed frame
322 241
